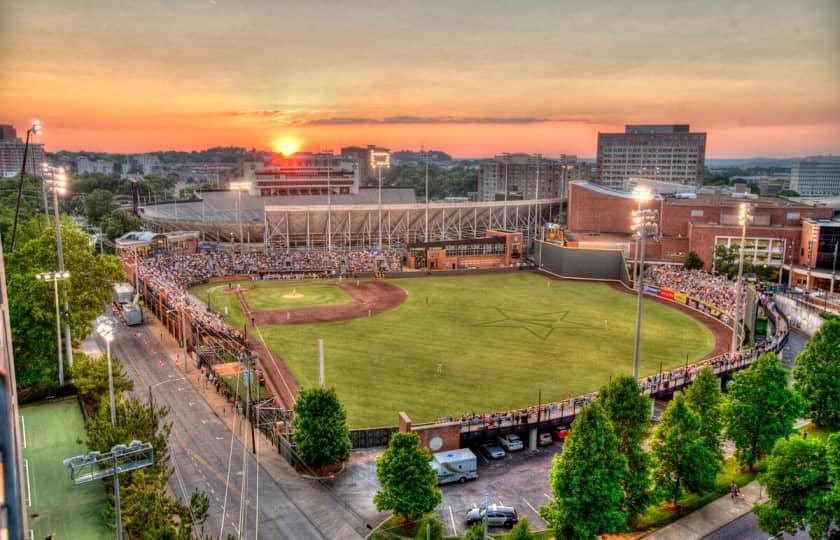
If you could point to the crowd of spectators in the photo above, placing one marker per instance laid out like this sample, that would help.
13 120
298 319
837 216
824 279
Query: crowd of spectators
716 291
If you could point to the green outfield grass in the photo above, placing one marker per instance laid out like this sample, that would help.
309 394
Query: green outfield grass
500 339
58 506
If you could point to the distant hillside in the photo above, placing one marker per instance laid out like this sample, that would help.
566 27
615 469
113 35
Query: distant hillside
749 163
410 156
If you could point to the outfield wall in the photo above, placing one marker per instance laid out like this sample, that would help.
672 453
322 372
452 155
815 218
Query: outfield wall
582 263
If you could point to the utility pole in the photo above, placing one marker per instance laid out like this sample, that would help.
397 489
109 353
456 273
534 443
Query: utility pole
744 216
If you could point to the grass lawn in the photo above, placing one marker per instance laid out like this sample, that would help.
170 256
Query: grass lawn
58 506
500 339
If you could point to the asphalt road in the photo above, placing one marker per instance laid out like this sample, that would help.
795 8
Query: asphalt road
205 456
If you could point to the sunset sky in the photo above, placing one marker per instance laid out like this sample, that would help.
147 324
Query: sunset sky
762 78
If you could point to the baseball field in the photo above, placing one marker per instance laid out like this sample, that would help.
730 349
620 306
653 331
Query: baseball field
441 346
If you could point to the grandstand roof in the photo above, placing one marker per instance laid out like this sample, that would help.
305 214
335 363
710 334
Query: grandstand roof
226 200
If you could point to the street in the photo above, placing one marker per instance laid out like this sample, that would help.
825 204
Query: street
206 456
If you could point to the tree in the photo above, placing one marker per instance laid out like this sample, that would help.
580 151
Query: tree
817 375
320 430
705 399
135 420
409 484
681 460
98 204
693 261
629 411
476 532
726 260
586 480
521 531
433 525
31 302
91 378
789 193
760 410
119 222
801 488
149 512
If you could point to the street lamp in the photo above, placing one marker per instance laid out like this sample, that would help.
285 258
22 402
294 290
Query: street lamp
36 129
56 179
744 217
55 277
643 220
380 160
121 458
105 328
239 187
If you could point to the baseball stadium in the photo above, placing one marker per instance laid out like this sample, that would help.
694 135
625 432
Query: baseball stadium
463 313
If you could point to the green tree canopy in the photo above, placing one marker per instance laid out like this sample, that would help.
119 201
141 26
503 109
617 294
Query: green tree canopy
433 525
817 375
32 304
98 204
629 411
693 261
521 531
119 222
705 399
803 489
586 480
91 378
320 428
761 409
409 484
681 460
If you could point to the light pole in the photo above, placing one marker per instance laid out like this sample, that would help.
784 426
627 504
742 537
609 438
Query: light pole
58 182
329 202
744 217
380 160
537 197
105 328
45 171
55 277
643 219
36 129
426 159
833 270
120 459
239 187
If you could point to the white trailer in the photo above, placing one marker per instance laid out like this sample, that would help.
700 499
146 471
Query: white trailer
455 466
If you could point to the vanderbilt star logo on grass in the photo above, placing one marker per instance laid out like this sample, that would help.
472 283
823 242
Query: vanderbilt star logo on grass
540 324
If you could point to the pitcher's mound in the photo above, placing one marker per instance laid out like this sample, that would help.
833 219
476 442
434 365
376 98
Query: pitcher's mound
293 295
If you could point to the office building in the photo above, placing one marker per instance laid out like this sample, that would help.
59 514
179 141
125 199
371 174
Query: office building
303 173
366 158
11 154
816 176
520 174
101 166
666 153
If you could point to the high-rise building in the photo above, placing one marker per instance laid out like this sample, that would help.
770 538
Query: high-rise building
365 158
667 153
303 173
521 173
816 176
11 154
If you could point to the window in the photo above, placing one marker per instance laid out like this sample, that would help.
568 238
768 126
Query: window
793 216
697 213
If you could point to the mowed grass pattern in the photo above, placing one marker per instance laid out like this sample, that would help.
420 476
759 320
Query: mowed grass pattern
270 295
500 339
58 506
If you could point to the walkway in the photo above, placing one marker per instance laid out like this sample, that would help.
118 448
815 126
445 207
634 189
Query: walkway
711 517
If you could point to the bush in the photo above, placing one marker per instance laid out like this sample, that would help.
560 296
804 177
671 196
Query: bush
435 526
476 532
522 531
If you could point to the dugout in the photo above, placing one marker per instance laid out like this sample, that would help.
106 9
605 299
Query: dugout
496 249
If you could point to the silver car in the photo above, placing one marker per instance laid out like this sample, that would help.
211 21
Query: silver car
492 450
496 515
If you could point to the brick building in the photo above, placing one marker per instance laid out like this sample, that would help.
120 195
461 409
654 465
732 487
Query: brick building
599 215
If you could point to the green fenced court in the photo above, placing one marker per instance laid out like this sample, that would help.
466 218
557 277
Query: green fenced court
57 506
478 343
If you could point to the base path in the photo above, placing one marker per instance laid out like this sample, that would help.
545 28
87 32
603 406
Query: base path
369 298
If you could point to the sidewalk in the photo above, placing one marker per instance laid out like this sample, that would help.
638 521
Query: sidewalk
711 517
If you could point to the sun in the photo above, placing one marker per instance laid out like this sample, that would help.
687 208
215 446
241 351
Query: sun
286 145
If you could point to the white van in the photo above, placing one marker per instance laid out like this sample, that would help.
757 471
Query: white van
511 442
455 466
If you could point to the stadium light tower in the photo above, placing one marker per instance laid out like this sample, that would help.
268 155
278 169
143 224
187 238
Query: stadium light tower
55 277
643 220
380 160
239 187
57 181
36 129
744 217
105 328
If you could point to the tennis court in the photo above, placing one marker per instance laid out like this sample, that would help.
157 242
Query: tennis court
56 505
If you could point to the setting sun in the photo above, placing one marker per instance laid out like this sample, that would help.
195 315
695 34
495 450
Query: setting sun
287 145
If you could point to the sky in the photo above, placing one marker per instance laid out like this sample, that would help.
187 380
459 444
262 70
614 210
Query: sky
472 78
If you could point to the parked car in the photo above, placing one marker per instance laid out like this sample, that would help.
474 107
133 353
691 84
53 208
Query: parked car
497 516
545 439
511 442
561 432
492 450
